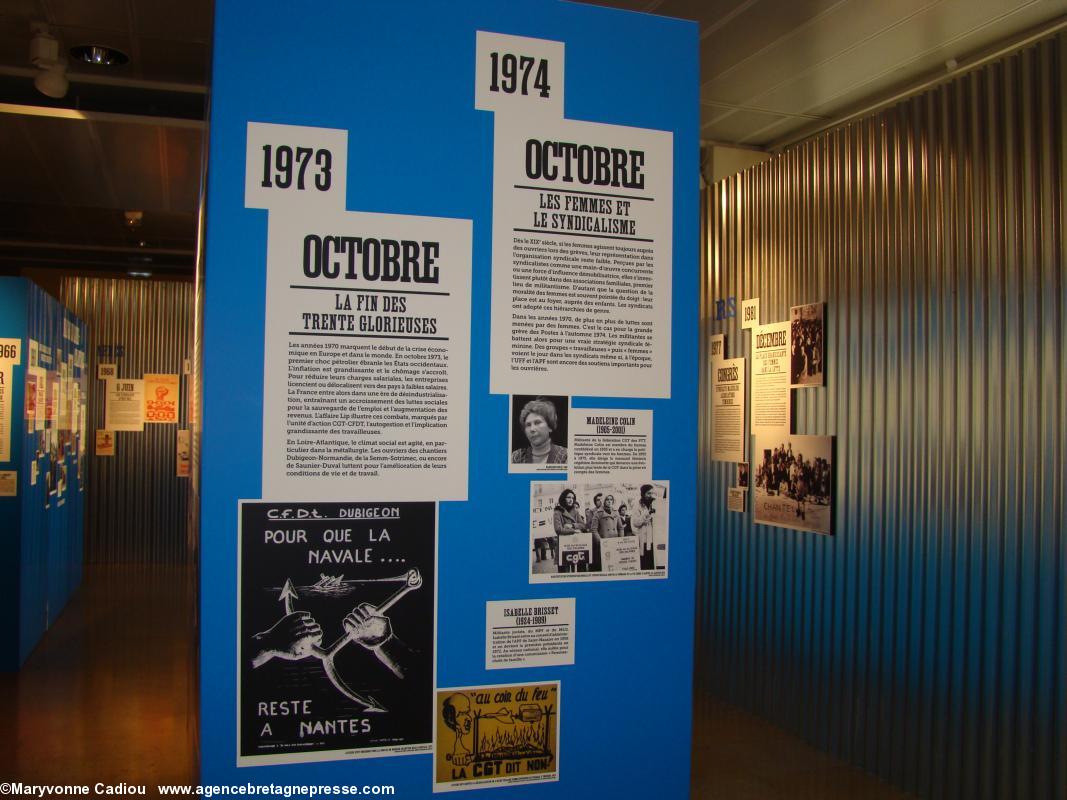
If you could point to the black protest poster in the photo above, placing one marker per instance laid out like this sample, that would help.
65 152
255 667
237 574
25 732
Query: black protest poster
336 626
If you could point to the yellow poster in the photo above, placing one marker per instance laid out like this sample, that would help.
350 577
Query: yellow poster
184 453
6 394
161 396
105 442
496 735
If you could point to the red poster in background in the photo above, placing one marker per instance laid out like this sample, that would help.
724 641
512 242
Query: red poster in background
51 396
31 397
161 397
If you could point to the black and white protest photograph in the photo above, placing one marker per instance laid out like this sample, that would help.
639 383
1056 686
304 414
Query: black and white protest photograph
807 337
794 482
598 531
538 433
336 630
742 475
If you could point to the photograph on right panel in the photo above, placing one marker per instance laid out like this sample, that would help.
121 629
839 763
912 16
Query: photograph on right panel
794 479
806 345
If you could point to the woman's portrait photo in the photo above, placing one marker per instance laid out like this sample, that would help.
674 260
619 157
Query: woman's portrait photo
538 433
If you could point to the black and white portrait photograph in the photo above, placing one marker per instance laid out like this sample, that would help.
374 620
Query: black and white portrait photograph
742 475
794 482
538 433
806 345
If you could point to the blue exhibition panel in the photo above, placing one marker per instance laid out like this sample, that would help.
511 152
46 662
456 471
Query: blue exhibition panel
400 79
43 522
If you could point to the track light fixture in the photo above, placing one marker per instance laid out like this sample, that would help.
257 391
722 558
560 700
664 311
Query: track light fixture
51 78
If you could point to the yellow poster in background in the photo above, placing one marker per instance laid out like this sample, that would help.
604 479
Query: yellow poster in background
183 450
6 394
105 442
161 396
496 735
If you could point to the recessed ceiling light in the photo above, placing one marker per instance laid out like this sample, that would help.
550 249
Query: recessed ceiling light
133 273
99 54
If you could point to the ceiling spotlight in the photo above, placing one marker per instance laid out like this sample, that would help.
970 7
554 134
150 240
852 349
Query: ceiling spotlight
44 54
52 82
134 219
99 54
44 49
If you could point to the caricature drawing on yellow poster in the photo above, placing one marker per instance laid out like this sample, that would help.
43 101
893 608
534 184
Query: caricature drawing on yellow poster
496 735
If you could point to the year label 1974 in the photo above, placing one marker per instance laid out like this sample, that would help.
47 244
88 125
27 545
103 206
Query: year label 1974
511 74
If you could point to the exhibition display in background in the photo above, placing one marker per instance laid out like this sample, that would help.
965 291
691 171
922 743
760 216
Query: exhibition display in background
448 508
43 462
137 501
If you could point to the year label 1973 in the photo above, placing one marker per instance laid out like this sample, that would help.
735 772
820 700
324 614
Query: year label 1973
287 167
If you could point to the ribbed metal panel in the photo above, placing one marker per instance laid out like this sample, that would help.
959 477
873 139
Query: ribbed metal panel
136 508
925 640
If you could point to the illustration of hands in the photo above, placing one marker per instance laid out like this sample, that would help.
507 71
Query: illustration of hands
370 628
297 635
367 626
293 637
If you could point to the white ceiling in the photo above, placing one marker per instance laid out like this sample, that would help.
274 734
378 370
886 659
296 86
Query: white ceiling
771 71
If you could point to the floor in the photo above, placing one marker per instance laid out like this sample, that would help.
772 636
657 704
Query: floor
108 696
737 756
108 693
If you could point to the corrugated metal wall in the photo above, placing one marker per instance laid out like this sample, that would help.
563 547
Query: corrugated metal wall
137 506
925 640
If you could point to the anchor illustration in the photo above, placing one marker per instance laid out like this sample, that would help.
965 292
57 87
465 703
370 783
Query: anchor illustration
366 625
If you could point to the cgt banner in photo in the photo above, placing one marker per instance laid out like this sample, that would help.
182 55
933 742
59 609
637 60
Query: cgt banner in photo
336 628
